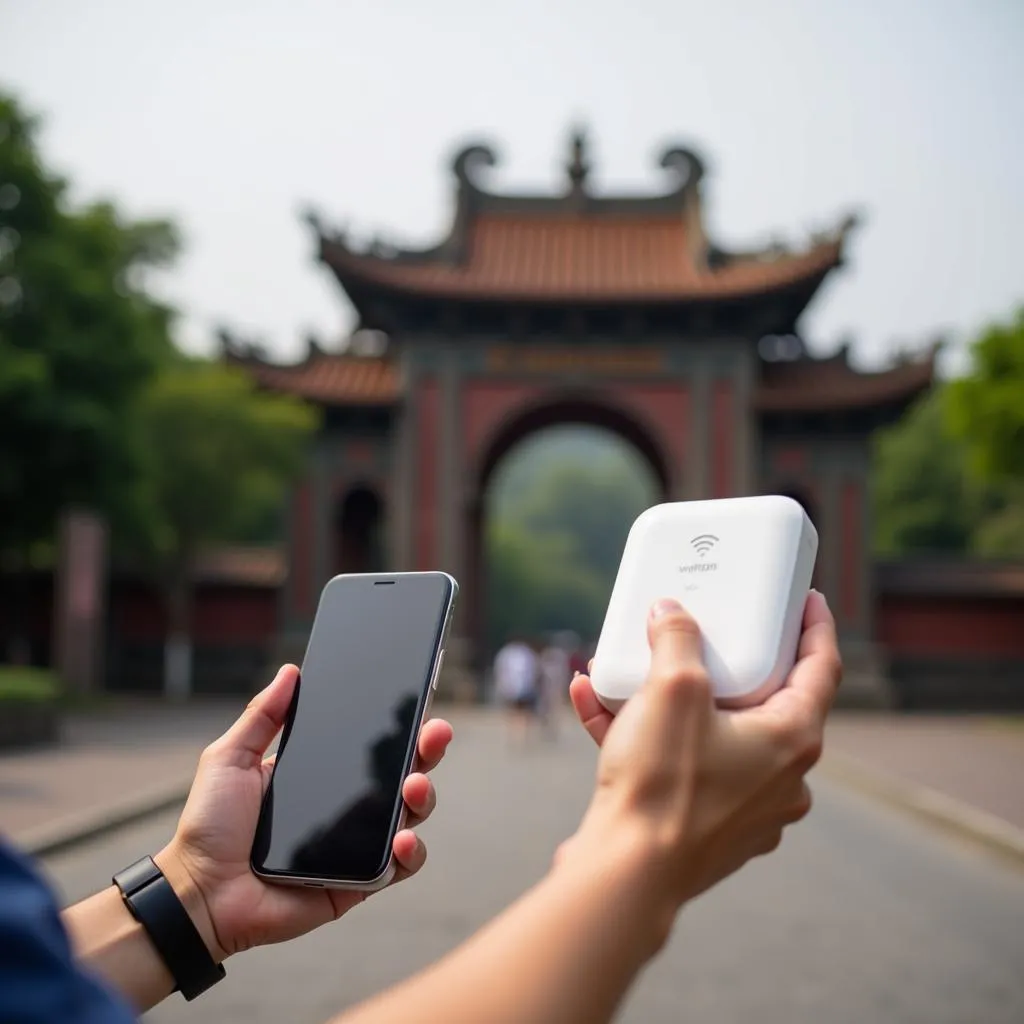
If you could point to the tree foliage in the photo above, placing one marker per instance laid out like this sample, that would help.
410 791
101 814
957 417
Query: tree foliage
96 405
79 335
925 499
539 583
949 478
560 518
594 502
219 455
985 408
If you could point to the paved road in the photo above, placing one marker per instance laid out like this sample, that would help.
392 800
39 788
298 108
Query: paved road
107 760
861 916
975 759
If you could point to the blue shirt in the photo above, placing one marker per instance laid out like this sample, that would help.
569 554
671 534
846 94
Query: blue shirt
40 983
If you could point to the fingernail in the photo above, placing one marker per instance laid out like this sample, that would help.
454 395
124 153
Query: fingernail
666 606
576 673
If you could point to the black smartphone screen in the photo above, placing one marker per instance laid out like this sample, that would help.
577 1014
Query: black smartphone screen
332 808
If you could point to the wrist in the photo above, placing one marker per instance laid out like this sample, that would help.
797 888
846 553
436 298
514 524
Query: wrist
627 860
175 869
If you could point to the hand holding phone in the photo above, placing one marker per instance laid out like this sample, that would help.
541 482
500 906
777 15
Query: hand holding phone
334 803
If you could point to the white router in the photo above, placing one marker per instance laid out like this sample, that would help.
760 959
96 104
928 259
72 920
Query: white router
740 566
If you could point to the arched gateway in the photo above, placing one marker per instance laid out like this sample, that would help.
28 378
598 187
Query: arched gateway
618 311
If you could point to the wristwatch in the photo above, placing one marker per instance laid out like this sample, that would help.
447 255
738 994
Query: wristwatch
155 905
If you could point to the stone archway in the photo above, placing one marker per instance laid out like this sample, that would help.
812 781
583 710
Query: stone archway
510 432
358 529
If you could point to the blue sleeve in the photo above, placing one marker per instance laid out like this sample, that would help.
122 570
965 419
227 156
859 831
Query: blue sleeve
40 983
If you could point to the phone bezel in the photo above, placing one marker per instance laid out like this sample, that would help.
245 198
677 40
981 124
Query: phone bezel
425 700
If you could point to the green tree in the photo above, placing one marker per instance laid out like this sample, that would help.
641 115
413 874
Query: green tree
79 335
1001 533
560 511
219 454
949 477
538 583
595 503
925 499
985 412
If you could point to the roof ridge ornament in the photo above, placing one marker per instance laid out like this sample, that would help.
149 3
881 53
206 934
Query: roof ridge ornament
853 220
850 223
323 232
312 218
235 348
688 166
578 166
468 159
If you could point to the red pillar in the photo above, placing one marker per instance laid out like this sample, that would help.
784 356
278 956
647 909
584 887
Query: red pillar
301 569
425 520
723 440
850 532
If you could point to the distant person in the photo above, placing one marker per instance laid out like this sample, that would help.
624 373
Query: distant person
684 796
516 682
555 676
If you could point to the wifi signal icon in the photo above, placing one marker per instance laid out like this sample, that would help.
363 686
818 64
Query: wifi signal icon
703 543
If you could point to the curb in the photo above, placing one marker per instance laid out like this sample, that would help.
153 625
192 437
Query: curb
980 827
72 829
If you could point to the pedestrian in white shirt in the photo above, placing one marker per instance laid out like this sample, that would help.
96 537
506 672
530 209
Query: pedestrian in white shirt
516 681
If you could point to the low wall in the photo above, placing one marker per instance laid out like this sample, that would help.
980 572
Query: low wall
135 666
233 629
957 684
953 633
950 633
233 625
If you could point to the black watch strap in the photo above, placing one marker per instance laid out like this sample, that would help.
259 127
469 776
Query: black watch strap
155 905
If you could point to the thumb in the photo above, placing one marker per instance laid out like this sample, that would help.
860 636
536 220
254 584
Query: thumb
252 733
678 680
656 738
675 640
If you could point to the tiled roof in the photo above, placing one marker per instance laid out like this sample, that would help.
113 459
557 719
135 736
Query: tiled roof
821 385
332 379
806 385
580 257
577 246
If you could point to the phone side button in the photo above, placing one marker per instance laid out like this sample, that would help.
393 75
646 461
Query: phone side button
437 671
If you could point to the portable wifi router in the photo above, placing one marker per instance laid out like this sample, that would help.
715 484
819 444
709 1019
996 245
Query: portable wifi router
740 566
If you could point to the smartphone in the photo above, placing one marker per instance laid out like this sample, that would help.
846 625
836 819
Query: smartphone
334 803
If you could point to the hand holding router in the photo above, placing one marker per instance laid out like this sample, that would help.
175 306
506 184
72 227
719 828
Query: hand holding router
741 567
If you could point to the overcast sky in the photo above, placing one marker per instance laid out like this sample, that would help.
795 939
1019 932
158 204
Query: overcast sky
230 115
